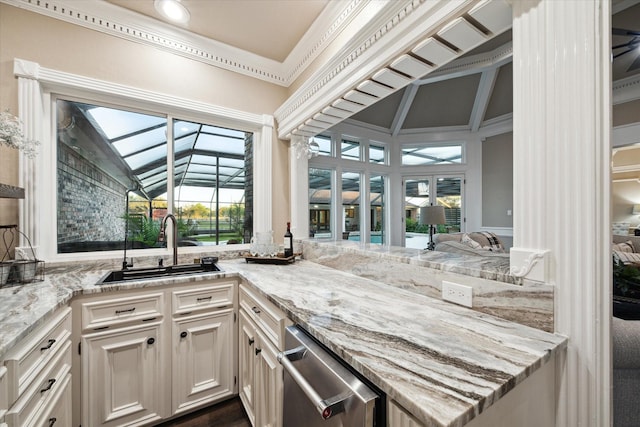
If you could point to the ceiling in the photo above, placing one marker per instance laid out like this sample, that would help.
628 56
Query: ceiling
269 28
467 100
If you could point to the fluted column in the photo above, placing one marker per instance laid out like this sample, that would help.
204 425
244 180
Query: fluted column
562 81
262 182
30 112
299 185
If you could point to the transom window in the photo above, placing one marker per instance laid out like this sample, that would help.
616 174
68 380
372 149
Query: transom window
423 155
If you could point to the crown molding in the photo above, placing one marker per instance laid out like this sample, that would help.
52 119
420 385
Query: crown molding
626 90
110 19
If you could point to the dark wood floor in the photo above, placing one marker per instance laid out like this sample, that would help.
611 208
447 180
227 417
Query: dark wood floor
226 414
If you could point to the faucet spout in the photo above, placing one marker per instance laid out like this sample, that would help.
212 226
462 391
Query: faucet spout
163 226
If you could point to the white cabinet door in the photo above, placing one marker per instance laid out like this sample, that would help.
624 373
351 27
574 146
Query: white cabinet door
246 365
269 384
123 376
202 359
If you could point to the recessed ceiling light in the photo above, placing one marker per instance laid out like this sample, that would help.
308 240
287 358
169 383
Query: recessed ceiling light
172 10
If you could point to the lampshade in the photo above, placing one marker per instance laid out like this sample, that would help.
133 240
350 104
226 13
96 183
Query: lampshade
432 215
636 210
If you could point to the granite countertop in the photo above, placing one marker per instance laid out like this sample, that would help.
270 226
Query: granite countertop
442 362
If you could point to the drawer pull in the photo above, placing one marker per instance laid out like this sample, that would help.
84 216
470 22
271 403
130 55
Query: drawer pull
183 334
151 341
48 387
52 421
129 310
204 298
256 310
149 320
48 346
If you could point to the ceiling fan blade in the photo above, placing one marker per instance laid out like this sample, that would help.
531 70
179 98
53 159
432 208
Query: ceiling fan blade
634 65
624 32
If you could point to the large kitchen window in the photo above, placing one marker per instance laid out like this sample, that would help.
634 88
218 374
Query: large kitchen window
120 171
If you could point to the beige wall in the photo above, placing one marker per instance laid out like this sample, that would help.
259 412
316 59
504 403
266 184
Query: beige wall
65 47
497 181
624 114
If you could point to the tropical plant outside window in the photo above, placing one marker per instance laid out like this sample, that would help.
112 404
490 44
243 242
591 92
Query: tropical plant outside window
116 168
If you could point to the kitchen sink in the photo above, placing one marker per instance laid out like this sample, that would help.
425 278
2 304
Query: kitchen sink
156 272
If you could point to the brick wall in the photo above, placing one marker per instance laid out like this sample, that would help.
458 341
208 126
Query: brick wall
91 204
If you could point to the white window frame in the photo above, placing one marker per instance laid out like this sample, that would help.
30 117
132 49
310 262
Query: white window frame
37 89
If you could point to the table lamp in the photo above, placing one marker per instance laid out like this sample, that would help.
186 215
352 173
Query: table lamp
433 215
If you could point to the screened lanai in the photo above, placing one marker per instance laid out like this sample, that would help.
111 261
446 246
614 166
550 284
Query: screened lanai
119 164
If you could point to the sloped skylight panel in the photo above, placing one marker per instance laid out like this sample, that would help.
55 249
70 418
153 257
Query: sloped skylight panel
203 160
146 157
202 168
220 144
228 171
116 123
152 172
141 141
233 163
223 131
184 144
182 128
200 176
154 178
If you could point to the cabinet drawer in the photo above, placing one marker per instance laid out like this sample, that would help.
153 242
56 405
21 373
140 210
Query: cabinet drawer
202 298
267 316
120 311
57 413
35 352
45 388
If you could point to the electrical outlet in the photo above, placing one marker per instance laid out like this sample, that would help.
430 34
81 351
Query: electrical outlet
459 294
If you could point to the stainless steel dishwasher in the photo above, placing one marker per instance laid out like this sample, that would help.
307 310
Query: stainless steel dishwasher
319 390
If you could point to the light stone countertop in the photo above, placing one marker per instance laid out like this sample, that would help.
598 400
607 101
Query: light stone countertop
442 362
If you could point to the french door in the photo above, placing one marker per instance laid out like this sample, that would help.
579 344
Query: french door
427 190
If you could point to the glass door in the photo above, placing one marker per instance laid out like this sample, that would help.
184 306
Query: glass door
423 191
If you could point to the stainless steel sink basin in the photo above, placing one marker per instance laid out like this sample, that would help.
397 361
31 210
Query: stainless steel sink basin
156 272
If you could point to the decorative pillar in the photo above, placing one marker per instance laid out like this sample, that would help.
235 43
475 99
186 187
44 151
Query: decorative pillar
31 113
262 182
299 185
561 154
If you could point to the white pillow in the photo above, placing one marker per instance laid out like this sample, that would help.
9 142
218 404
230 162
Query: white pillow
470 242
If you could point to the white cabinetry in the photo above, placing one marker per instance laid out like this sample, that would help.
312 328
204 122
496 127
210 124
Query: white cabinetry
149 355
37 377
397 416
123 376
203 346
261 336
123 364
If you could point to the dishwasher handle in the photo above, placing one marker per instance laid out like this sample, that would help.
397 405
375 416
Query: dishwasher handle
327 408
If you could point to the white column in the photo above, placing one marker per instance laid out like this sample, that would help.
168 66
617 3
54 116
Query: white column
262 181
299 185
31 114
562 152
